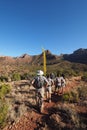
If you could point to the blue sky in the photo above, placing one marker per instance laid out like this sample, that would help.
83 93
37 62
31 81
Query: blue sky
28 25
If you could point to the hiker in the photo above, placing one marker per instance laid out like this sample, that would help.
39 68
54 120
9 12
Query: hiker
40 82
49 88
60 84
57 83
63 84
52 76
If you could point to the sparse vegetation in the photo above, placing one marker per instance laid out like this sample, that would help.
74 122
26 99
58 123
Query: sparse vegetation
84 77
16 77
82 92
3 78
61 116
4 89
3 113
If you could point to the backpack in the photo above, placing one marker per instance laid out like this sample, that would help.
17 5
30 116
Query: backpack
58 81
63 82
50 81
39 82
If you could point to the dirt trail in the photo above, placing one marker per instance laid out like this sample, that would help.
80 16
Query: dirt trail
29 121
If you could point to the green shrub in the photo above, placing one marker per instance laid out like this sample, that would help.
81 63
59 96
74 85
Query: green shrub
4 89
16 77
3 113
71 96
66 97
82 92
74 96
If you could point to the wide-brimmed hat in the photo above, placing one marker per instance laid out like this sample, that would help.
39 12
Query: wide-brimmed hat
40 72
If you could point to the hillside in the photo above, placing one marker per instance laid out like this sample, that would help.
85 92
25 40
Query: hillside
27 59
77 61
66 111
78 56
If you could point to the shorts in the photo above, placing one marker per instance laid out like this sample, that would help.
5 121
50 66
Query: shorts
41 91
58 86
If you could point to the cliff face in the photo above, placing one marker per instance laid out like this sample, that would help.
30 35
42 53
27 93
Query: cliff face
27 59
78 56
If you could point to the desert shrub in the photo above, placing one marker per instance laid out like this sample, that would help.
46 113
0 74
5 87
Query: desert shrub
82 92
25 76
4 89
3 113
16 77
66 97
3 78
84 77
71 96
69 72
74 96
61 115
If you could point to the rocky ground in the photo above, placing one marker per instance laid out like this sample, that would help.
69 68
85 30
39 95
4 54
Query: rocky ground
24 115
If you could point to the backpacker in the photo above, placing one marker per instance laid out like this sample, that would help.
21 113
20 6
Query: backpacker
50 81
39 82
58 81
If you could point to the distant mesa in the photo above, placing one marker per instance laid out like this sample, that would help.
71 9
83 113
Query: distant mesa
78 56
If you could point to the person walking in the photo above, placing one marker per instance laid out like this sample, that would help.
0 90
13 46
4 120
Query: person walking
39 83
63 84
49 88
60 84
57 82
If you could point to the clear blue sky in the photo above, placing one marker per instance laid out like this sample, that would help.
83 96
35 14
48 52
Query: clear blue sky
28 25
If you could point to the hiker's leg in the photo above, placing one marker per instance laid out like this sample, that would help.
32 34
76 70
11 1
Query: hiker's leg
58 90
62 89
36 96
50 94
42 100
47 93
55 88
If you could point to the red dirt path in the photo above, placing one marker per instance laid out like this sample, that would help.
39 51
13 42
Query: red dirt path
29 120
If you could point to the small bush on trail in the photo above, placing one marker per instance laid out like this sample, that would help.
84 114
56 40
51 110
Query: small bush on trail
3 113
4 89
16 77
66 97
72 96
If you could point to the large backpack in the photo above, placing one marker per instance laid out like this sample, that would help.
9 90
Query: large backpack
58 81
50 81
39 82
